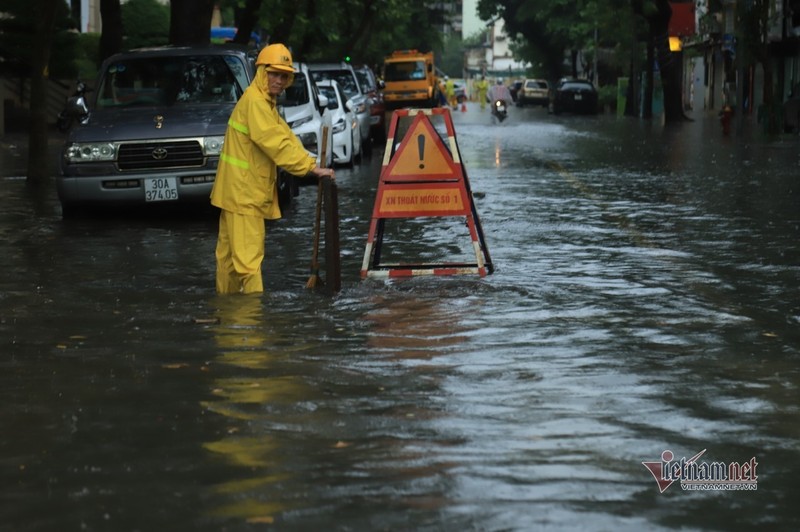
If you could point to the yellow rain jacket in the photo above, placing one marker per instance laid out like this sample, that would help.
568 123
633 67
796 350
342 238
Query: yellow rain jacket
257 141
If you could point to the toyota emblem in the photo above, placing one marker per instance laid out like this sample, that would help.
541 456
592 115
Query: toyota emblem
159 154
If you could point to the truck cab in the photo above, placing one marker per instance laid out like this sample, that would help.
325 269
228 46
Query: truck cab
410 79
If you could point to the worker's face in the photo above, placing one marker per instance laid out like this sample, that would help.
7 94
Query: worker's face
276 82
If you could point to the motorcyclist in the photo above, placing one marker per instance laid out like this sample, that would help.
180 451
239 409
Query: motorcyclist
500 92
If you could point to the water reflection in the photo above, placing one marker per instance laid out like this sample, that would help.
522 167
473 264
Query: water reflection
406 326
244 388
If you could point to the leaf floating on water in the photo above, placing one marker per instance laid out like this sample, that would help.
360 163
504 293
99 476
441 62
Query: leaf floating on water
206 321
61 346
78 337
177 365
769 334
342 445
264 519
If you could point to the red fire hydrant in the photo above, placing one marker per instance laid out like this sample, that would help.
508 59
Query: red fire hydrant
725 119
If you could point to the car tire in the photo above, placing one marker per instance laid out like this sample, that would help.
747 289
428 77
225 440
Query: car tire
68 211
286 189
351 160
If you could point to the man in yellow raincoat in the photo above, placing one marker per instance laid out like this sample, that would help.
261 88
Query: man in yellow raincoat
482 87
257 141
450 92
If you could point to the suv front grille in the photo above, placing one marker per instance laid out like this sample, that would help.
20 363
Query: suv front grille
155 155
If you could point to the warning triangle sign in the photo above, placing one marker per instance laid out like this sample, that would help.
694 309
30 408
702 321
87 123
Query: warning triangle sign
421 155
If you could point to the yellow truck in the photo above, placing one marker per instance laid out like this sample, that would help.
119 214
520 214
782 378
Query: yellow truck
410 80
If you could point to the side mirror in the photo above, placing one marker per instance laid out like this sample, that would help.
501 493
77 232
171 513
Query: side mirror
323 101
381 84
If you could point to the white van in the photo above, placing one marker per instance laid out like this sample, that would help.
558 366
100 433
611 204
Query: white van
304 109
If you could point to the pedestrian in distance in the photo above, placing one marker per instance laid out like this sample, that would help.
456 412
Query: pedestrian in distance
450 92
482 87
257 142
442 92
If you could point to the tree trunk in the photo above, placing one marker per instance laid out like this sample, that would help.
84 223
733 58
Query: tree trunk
669 64
649 82
246 18
190 22
38 160
111 34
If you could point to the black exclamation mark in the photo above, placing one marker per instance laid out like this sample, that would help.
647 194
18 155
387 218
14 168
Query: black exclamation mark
421 146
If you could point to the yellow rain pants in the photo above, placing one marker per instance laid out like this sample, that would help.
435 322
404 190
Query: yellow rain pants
240 251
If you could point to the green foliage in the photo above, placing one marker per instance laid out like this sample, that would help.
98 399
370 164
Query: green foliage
546 31
145 22
607 97
18 40
328 30
451 57
88 55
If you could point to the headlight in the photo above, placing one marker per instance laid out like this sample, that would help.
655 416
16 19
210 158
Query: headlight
339 126
90 152
308 139
360 108
212 145
300 122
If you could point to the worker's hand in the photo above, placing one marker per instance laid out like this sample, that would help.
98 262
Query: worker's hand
323 172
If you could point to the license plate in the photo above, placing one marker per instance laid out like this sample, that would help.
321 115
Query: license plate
578 97
160 189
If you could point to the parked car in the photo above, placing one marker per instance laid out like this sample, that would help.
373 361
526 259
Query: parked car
575 96
460 90
346 145
534 91
156 124
346 76
514 88
303 108
373 88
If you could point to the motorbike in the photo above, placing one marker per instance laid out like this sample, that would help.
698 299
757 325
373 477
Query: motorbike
75 108
499 110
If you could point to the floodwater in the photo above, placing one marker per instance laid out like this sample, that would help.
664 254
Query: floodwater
646 297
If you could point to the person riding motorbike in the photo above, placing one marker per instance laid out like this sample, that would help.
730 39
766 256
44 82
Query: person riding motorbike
500 93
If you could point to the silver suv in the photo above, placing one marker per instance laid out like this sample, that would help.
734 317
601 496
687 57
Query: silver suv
155 128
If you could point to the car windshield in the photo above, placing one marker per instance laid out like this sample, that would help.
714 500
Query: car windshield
330 93
148 81
364 80
345 78
576 86
297 92
405 71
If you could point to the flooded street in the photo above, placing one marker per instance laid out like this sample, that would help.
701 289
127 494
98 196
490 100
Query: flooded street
646 297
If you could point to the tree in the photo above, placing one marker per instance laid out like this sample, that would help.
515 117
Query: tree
669 63
246 19
189 21
146 23
45 24
329 30
111 35
753 20
35 45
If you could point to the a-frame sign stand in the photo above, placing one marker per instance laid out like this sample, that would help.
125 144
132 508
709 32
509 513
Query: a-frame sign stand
423 177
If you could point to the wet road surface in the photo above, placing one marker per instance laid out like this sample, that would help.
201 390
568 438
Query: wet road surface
646 298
